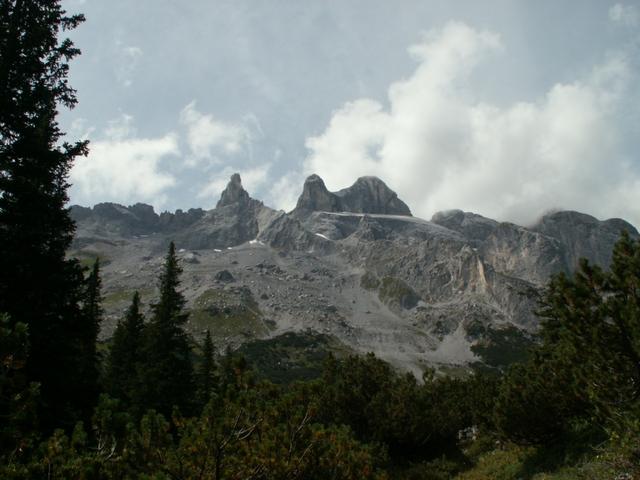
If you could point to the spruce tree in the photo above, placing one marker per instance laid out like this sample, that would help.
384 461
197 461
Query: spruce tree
121 379
38 285
166 371
86 380
206 374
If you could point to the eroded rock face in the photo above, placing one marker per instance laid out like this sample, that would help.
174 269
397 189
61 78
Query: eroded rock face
372 195
351 264
287 234
234 193
472 226
139 219
316 198
237 218
366 195
554 244
583 236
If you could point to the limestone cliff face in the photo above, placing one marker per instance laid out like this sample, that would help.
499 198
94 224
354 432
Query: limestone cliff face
583 236
237 218
234 193
372 195
112 219
366 195
316 198
353 264
554 244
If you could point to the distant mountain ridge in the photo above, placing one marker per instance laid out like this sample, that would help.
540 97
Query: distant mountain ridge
353 264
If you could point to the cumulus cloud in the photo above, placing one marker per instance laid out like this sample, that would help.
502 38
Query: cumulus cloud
125 168
440 148
285 191
121 167
253 178
626 15
208 137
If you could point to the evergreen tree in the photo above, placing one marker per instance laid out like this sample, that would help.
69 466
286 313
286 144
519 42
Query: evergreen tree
121 377
86 380
206 375
92 302
17 396
38 285
166 371
591 331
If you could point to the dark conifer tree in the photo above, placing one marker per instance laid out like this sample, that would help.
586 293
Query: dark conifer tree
166 370
121 379
17 396
92 302
86 380
207 372
38 285
591 329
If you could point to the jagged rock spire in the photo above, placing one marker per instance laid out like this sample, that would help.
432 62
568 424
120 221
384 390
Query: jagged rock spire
316 197
234 193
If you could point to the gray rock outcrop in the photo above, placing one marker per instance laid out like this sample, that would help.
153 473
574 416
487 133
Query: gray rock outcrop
366 195
224 276
316 198
238 218
583 236
107 219
234 193
353 264
372 195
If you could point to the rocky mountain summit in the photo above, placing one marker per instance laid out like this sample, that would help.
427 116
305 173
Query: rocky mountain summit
353 265
366 195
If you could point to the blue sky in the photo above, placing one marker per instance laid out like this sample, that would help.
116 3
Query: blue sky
505 108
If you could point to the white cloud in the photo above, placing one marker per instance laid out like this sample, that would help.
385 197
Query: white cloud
441 149
124 168
253 178
626 15
285 192
207 136
120 128
128 58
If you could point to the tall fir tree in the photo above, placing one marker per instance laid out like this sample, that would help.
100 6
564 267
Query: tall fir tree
166 369
38 285
121 378
86 380
206 376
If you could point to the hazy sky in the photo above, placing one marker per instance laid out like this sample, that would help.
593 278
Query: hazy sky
502 107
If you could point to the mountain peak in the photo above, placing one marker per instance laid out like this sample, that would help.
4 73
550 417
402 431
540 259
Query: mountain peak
316 197
234 193
367 195
371 195
314 178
